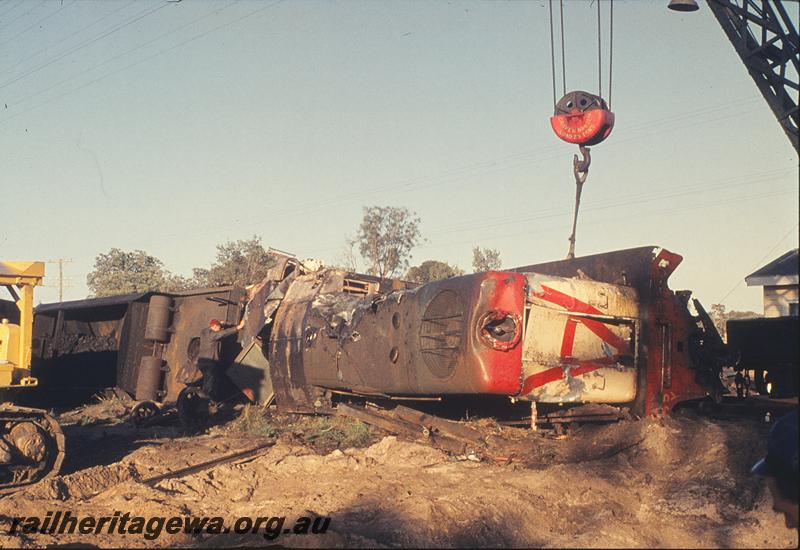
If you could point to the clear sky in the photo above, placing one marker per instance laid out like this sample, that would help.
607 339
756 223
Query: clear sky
174 126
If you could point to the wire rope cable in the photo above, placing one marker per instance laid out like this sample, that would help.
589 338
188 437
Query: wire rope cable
599 53
552 53
610 50
563 62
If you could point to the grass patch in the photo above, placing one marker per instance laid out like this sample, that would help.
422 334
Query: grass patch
254 421
335 431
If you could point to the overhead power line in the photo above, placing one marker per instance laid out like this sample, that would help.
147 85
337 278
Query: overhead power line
135 63
82 45
39 22
12 8
713 203
215 11
630 200
759 262
70 35
427 182
22 15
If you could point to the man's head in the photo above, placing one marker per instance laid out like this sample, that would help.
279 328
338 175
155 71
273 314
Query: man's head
215 325
780 467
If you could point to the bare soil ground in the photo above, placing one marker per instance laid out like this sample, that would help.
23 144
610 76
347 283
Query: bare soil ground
678 482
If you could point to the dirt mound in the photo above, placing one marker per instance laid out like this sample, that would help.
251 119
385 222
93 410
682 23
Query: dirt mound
677 482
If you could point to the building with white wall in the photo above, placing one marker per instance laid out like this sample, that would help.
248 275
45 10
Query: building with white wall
781 282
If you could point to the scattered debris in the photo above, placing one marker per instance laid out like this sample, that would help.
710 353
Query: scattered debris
676 482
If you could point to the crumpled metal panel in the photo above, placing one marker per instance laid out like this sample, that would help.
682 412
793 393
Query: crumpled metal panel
580 341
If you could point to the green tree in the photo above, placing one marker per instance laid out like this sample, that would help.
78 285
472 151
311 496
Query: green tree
120 272
385 239
432 270
241 262
177 283
719 316
485 259
347 259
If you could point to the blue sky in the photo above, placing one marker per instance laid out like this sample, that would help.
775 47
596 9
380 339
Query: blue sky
171 127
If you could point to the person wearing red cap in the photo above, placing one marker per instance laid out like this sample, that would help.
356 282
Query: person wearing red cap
208 356
780 468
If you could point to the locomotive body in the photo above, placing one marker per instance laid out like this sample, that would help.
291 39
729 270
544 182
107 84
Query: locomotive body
598 329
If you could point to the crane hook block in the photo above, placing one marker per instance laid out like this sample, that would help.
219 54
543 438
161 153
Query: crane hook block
582 118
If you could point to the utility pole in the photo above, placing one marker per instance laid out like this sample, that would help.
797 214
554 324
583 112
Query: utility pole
60 262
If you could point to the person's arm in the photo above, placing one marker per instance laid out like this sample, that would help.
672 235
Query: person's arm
225 332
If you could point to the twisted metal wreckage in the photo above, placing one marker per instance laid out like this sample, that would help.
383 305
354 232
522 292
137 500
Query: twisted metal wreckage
590 337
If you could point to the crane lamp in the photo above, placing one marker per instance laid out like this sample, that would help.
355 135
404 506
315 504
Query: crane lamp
683 5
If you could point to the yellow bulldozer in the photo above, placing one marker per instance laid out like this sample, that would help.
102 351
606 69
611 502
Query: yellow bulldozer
31 442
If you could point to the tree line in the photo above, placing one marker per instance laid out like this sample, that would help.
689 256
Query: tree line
384 241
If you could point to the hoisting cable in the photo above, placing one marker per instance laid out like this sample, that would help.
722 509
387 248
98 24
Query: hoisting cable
580 117
599 55
563 63
552 54
610 50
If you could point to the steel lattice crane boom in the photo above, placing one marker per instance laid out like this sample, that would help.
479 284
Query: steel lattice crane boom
766 40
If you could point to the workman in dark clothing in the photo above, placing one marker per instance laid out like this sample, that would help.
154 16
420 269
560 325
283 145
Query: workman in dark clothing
208 356
780 468
739 380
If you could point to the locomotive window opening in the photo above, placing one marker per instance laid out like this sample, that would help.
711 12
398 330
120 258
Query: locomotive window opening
353 286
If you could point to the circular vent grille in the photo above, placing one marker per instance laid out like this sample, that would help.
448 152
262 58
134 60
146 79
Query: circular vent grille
441 333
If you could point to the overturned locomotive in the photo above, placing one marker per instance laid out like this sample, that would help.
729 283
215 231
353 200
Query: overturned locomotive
598 329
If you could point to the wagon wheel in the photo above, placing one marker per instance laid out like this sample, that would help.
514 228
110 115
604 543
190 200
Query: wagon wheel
144 412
